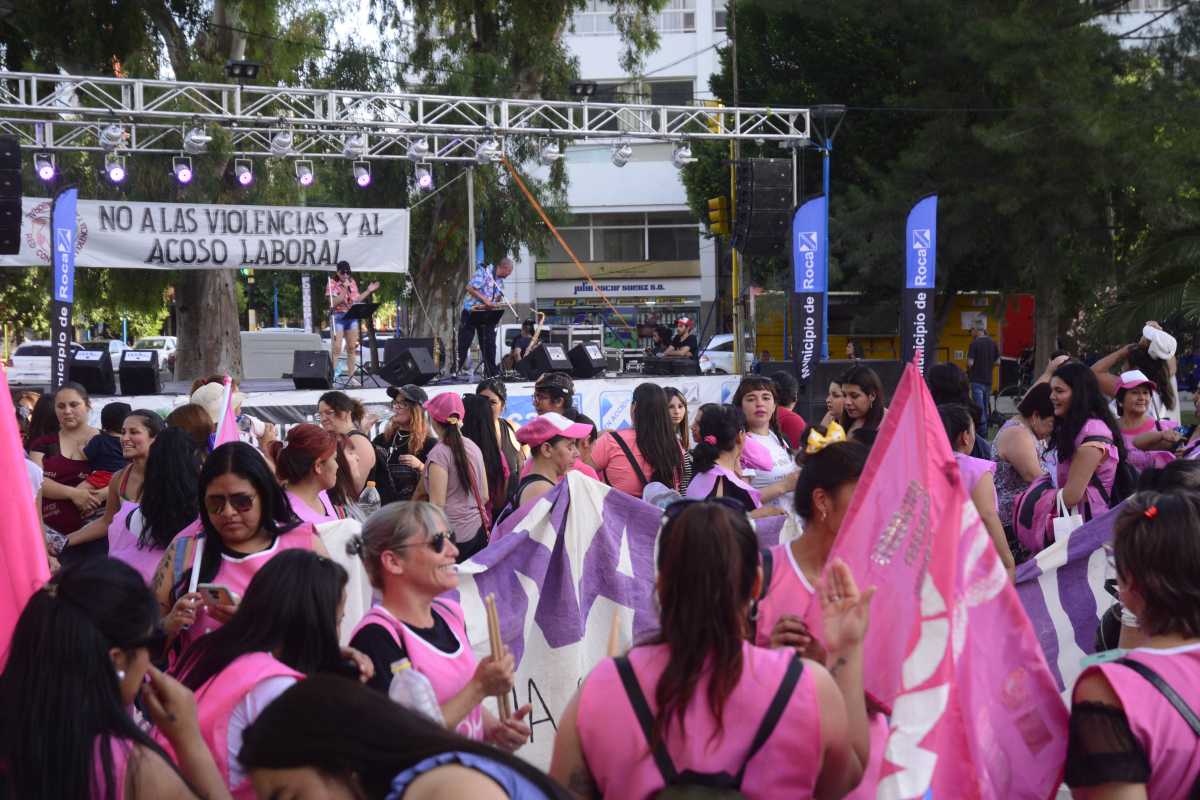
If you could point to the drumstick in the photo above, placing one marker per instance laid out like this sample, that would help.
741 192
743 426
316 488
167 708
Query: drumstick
614 635
497 647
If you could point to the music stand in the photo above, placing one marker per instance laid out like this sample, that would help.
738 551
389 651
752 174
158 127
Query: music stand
366 313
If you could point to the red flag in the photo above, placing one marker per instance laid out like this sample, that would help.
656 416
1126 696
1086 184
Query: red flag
975 711
23 564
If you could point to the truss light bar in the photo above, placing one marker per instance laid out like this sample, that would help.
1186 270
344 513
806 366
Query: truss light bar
112 137
43 164
182 167
243 170
114 168
488 152
304 173
362 174
621 153
418 149
281 143
355 145
424 177
682 155
195 141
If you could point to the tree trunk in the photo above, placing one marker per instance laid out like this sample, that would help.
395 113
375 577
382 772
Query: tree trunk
209 329
1047 309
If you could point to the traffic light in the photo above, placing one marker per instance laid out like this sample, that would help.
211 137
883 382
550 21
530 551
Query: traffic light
718 216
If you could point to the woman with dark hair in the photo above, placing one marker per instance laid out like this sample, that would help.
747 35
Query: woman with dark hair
652 454
340 413
717 459
1086 438
1129 735
331 737
193 420
42 419
515 455
1148 439
479 425
553 440
834 402
456 478
405 441
706 690
1018 451
246 521
758 398
120 523
863 400
976 474
949 385
66 495
1154 356
79 658
286 627
341 494
677 412
409 554
307 466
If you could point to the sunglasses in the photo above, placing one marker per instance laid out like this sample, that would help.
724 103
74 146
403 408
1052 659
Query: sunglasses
215 503
437 542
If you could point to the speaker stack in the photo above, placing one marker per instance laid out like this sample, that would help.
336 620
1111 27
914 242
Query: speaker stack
408 361
139 372
93 370
587 360
544 358
763 218
312 369
10 197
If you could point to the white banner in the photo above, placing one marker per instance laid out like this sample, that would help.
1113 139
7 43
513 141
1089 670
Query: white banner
199 236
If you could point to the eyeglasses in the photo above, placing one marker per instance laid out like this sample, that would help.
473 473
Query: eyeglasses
437 542
215 503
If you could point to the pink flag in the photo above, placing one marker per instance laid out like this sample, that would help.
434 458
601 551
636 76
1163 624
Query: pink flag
227 429
23 564
975 712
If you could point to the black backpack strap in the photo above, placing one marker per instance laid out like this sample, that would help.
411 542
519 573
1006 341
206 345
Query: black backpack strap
645 719
1165 689
768 567
779 702
629 457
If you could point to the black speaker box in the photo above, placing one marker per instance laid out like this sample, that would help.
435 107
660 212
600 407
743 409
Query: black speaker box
408 365
10 154
10 196
587 360
393 348
684 366
93 370
655 365
548 357
811 404
762 219
312 369
139 372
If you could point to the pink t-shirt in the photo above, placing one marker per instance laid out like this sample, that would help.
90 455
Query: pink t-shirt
123 534
619 756
305 512
1106 471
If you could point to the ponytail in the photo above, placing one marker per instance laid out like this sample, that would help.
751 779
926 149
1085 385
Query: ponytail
719 429
453 439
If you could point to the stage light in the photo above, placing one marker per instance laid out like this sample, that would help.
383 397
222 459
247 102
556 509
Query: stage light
112 137
488 152
355 145
195 141
182 167
582 89
362 174
43 164
621 153
304 173
114 168
549 153
418 149
682 155
242 70
243 170
424 177
281 143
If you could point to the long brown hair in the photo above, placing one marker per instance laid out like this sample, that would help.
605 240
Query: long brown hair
707 566
418 428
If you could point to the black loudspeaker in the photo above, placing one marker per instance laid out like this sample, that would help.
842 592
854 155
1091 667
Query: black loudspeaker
312 369
811 404
763 218
654 365
139 372
10 196
547 357
93 370
408 365
393 348
587 360
684 366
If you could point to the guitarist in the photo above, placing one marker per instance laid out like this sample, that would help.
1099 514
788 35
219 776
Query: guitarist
485 292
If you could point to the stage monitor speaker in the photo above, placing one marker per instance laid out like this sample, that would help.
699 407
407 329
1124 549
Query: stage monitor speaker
656 365
93 370
139 372
762 220
312 369
408 364
587 360
545 358
393 348
10 196
811 404
684 366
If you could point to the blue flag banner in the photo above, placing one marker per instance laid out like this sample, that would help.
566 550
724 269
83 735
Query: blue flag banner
920 279
63 222
810 267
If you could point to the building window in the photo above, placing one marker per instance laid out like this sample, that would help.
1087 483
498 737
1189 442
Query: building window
1139 6
720 15
629 236
595 19
678 17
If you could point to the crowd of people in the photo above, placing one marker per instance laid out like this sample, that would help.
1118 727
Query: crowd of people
188 642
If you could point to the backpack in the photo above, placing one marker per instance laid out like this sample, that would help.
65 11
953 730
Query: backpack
708 785
1032 511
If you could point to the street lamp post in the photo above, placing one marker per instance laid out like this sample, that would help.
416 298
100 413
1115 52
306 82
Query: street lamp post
826 119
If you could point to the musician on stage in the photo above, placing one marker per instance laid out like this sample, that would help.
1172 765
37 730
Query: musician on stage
485 292
342 291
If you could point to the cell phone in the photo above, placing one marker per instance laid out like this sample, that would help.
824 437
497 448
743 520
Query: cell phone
216 594
1186 431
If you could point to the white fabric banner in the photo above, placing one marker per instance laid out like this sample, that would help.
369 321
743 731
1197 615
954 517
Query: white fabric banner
114 233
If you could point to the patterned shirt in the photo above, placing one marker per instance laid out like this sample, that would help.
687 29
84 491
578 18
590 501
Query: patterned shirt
487 284
342 305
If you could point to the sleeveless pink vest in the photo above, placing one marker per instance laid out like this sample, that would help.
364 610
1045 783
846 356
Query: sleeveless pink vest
219 696
123 542
121 751
619 756
1172 748
448 673
235 573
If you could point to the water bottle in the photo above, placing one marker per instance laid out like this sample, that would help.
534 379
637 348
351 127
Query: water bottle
369 501
412 690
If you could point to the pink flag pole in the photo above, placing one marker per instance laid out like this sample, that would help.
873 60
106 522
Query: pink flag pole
227 429
23 563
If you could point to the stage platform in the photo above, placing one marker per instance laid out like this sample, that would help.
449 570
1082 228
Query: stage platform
606 400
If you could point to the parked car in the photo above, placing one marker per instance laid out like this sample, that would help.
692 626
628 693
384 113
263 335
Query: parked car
716 357
165 345
30 363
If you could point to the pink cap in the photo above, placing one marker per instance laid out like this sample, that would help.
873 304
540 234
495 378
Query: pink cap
1135 377
547 426
446 406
